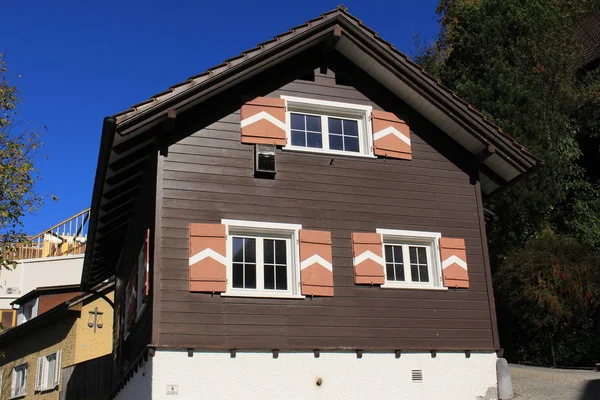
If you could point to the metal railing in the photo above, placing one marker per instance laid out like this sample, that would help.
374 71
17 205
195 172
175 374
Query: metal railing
68 237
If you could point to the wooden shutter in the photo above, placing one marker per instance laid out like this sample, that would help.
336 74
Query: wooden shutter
454 263
263 121
13 381
58 368
208 272
316 270
147 265
391 136
39 373
369 266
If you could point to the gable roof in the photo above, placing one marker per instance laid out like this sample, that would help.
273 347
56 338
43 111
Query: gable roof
55 313
46 290
126 145
588 34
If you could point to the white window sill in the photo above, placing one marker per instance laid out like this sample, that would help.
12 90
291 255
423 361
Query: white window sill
389 285
18 396
327 152
233 293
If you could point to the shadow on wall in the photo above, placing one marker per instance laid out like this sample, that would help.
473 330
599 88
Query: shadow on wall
591 391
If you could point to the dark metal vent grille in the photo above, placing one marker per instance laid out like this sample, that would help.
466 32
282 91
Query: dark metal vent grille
417 376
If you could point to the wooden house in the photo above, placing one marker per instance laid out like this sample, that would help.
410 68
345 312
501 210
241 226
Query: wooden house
302 221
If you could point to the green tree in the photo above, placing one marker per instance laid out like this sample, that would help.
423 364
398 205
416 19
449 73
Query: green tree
550 291
517 61
18 148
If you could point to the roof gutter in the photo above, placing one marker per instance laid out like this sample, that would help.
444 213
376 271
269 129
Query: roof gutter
109 128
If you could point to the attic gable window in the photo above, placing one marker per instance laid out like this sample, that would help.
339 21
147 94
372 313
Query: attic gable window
328 127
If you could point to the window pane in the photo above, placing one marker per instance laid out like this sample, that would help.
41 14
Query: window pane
298 138
250 276
269 251
281 277
335 125
7 318
423 273
398 254
297 121
238 275
389 271
313 123
314 140
389 257
422 253
413 254
336 142
400 272
414 270
238 254
350 128
250 250
280 252
51 365
269 277
351 143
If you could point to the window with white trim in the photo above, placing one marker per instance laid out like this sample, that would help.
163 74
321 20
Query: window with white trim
411 259
328 126
19 381
262 259
48 372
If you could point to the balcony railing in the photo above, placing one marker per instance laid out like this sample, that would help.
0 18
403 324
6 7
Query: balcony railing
68 237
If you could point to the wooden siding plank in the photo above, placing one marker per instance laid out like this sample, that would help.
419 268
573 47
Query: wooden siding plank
209 176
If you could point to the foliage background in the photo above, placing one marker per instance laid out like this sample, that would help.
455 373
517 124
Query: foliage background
519 62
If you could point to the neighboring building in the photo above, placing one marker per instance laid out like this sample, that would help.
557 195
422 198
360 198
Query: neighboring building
53 257
40 300
64 351
303 221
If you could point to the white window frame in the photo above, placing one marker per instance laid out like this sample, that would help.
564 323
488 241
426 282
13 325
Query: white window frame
43 382
266 230
429 240
324 109
13 393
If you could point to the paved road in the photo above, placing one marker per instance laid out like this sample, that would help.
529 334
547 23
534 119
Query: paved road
533 383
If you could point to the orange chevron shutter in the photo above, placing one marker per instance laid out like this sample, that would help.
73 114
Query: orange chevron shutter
263 121
391 136
454 263
316 271
367 250
208 272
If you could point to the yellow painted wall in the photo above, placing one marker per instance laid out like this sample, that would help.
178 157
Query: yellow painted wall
46 340
90 344
70 333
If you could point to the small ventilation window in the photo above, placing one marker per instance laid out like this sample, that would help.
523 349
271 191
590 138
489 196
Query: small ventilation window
265 160
417 376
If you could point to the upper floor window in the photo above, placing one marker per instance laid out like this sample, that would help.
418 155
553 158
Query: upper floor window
329 127
411 259
48 371
19 381
262 259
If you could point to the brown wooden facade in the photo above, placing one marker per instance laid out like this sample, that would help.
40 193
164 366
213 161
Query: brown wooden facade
209 176
192 167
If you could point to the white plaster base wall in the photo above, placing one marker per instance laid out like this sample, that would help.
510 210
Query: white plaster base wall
254 375
139 386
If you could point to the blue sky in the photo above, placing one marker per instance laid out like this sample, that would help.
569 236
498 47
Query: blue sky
81 61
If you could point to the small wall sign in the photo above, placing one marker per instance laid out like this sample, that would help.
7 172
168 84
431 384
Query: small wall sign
173 390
